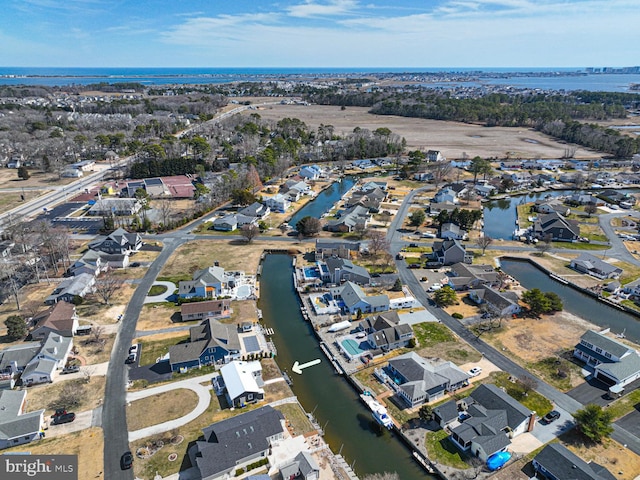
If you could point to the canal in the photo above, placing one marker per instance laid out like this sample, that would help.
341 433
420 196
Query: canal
349 427
324 201
574 301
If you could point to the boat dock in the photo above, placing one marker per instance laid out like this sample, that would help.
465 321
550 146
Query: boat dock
336 366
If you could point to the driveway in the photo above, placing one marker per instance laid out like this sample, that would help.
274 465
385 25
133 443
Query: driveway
163 297
592 391
82 421
546 433
156 372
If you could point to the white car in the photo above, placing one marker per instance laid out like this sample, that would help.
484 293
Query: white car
435 287
133 349
475 371
428 235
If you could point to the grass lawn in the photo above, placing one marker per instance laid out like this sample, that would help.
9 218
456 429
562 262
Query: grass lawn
593 232
94 352
547 369
524 212
46 396
429 334
157 290
630 304
441 450
532 400
152 348
578 246
154 316
297 418
160 408
621 406
87 444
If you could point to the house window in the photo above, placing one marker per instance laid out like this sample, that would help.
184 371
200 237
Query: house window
598 350
607 354
250 396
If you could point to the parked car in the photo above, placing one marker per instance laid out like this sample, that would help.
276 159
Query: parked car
71 369
428 235
126 461
550 417
64 418
435 287
134 349
58 412
475 371
131 358
414 265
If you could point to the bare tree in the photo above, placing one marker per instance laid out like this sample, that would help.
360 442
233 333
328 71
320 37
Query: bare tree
107 285
10 276
249 232
545 245
483 242
70 395
165 208
440 172
87 373
527 383
377 242
590 209
476 467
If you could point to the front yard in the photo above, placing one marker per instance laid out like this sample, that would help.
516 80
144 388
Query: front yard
160 408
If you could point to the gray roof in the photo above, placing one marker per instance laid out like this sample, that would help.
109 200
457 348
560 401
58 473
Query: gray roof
554 220
72 286
347 266
591 262
448 411
628 366
427 374
605 343
322 244
564 464
12 423
40 366
495 298
236 438
20 354
56 346
209 334
493 398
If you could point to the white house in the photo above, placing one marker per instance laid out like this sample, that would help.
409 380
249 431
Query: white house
243 382
278 203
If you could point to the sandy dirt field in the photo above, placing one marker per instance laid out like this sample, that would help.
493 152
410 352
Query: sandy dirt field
452 138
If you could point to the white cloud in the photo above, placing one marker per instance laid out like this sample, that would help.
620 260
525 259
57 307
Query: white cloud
313 9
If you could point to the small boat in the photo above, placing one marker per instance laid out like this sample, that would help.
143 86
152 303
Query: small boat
498 460
378 411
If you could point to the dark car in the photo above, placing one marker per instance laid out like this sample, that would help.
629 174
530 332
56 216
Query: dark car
59 411
126 461
131 358
552 416
64 418
71 369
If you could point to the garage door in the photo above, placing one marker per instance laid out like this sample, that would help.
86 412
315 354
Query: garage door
605 379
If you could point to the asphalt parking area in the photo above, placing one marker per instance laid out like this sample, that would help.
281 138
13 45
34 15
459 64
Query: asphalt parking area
156 372
592 391
631 422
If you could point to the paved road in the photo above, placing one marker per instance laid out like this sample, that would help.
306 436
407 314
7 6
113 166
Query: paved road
558 398
618 250
114 419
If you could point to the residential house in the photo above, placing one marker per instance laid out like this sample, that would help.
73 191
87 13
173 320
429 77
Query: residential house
5 248
616 196
385 333
18 427
435 156
363 164
51 357
278 203
208 309
228 223
592 265
423 176
584 199
543 179
436 208
485 190
372 185
257 210
355 217
302 466
557 227
499 303
207 283
551 206
72 287
118 242
311 172
557 462
614 363
209 343
243 382
339 270
84 165
72 173
294 189
237 442
353 299
106 207
422 380
492 419
463 276
445 194
446 413
331 248
61 318
15 358
91 262
448 252
370 199
510 164
451 231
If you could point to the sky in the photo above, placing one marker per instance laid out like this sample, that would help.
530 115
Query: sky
319 33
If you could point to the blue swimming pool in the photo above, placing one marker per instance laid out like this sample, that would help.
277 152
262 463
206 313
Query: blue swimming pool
311 272
243 291
352 347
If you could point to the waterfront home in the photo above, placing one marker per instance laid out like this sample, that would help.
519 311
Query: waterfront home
463 276
557 462
422 380
209 343
228 223
339 270
492 418
556 227
302 466
117 242
278 203
72 287
61 319
499 303
208 309
584 199
385 333
207 283
592 265
451 231
448 252
18 427
446 413
550 206
484 190
363 164
614 363
339 248
257 210
236 442
445 194
436 208
353 299
243 382
311 172
347 221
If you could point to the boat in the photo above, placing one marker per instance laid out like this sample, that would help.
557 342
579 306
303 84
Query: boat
497 460
378 411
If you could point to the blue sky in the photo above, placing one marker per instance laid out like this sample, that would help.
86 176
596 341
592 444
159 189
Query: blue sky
319 33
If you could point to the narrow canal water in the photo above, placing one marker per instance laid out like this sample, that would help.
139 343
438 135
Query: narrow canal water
349 426
324 201
574 301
